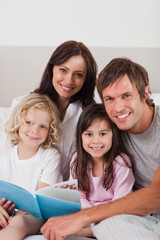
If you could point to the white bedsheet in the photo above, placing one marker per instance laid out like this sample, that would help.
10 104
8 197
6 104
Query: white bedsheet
40 237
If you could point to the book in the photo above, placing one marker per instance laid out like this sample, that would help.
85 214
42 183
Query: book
44 203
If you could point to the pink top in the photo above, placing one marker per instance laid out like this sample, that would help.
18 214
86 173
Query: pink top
122 185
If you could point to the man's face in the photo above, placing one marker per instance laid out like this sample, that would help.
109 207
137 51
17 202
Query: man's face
123 105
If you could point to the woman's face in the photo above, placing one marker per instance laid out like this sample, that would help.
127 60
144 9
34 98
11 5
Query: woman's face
69 77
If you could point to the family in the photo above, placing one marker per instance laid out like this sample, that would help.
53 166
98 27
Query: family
112 148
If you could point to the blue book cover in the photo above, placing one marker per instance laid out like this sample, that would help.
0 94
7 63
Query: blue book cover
44 203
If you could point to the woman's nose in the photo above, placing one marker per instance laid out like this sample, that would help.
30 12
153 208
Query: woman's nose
69 79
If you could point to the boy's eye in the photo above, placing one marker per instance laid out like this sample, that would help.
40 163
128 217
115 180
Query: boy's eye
42 126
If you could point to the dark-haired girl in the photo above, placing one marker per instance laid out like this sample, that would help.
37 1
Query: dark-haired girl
101 164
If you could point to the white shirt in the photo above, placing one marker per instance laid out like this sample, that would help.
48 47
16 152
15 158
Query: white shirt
67 147
43 167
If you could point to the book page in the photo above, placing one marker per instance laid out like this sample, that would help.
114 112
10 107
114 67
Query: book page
56 191
57 201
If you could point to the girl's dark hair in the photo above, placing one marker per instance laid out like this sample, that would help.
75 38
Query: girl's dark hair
62 53
81 163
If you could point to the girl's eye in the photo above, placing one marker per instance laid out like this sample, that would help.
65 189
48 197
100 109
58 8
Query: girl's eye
102 134
89 134
28 122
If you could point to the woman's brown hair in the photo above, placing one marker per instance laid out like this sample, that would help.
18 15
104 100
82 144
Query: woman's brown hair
62 53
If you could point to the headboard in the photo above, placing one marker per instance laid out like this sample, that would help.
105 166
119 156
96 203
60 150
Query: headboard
21 67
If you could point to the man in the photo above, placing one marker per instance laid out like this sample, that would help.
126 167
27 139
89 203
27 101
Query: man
124 88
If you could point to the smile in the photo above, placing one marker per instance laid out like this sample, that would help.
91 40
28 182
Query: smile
96 148
32 138
123 116
68 89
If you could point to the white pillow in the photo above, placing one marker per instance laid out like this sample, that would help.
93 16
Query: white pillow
156 98
4 142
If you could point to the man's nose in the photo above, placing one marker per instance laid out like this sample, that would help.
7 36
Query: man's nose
118 105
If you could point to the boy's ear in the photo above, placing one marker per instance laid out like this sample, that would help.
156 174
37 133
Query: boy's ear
147 91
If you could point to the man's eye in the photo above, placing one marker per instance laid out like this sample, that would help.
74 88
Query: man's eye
126 95
108 99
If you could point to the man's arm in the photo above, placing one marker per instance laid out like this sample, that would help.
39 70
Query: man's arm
141 202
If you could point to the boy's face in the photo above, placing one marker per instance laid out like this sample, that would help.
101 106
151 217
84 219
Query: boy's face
123 105
34 130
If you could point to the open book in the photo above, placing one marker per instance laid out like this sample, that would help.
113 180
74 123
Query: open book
46 202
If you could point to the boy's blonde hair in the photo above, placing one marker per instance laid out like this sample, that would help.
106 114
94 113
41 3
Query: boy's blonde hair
32 102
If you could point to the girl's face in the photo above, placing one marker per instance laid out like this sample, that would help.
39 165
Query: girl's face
34 130
69 77
97 139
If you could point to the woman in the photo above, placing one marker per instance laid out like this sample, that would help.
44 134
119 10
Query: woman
69 80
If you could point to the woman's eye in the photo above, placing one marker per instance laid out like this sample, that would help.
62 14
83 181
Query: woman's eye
62 69
79 75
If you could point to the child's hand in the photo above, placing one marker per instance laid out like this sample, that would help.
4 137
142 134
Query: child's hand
4 217
7 205
70 186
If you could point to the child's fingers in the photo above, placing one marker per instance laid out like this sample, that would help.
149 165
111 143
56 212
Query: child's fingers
9 206
71 186
4 213
4 217
3 222
2 201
